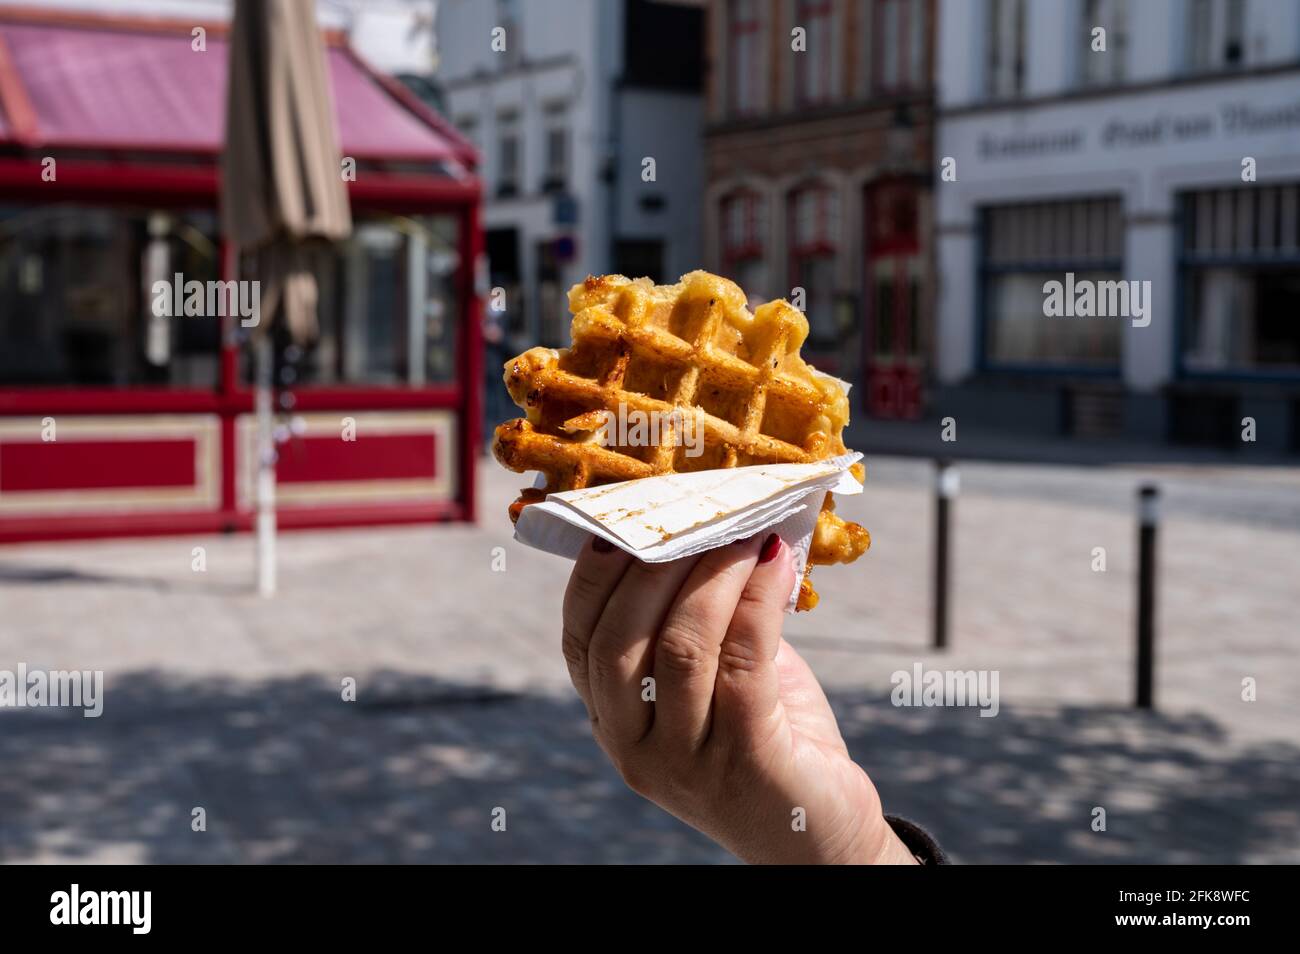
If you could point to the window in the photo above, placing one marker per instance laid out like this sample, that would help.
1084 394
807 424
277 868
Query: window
1240 257
814 68
77 297
1216 35
744 57
1026 246
387 305
1103 67
813 230
505 272
898 34
1005 66
893 220
509 160
555 177
744 228
552 313
638 258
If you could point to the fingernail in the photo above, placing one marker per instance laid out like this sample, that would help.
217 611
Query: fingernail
601 545
771 547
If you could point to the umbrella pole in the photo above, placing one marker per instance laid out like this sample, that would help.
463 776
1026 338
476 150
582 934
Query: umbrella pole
262 360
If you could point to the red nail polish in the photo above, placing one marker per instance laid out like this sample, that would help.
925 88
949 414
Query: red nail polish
771 547
601 545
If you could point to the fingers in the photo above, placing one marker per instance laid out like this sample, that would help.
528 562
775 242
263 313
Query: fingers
598 569
747 687
686 653
622 647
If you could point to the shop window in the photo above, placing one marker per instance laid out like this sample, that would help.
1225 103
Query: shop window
387 306
745 71
77 296
1216 35
1103 67
1005 63
897 45
1240 253
744 228
814 68
505 273
1026 246
813 232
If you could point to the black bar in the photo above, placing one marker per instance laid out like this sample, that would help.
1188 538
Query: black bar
229 903
944 488
1148 517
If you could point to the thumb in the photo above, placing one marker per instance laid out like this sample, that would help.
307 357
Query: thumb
747 688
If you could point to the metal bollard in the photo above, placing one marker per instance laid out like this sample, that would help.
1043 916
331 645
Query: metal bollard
1148 519
946 484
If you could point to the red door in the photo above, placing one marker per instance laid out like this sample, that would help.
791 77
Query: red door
892 346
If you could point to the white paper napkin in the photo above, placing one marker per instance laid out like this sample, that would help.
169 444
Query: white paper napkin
678 515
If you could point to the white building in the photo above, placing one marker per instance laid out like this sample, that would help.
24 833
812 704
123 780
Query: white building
1170 157
566 101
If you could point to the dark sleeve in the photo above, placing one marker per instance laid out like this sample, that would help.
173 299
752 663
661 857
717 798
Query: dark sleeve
917 840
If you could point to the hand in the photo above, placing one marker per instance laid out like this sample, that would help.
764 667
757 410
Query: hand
733 735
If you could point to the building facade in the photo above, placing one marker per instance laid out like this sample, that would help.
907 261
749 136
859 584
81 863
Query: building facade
1093 142
587 114
818 167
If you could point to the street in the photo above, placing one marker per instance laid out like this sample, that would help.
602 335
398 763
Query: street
215 699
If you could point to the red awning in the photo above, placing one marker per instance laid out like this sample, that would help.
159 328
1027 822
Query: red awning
113 86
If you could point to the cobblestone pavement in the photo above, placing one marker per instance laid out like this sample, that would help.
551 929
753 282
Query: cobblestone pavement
217 699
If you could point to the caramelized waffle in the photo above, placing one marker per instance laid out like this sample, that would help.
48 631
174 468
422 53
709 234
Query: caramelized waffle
693 349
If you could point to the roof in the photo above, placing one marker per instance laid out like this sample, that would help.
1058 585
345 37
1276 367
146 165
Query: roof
136 84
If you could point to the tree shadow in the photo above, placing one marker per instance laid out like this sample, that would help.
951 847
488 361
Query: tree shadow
23 574
288 772
1023 786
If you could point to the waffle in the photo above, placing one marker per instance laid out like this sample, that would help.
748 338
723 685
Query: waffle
693 348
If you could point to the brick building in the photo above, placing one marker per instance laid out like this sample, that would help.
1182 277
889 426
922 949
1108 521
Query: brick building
818 177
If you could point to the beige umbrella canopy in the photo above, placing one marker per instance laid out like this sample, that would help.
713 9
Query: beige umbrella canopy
282 195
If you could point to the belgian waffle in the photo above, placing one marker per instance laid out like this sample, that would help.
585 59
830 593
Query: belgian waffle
692 348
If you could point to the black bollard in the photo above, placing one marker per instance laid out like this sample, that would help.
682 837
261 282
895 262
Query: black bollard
946 483
1148 519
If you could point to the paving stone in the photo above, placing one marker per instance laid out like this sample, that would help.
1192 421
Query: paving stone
219 699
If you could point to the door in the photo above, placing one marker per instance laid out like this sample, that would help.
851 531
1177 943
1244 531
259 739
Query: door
892 347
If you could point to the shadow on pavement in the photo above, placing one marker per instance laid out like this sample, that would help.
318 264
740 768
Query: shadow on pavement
18 574
287 772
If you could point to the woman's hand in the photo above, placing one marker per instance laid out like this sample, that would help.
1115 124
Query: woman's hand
709 713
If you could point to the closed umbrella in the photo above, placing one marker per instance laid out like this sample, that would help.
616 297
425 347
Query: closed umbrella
282 198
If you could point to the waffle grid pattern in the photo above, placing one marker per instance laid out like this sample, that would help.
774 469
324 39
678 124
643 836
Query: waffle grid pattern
691 350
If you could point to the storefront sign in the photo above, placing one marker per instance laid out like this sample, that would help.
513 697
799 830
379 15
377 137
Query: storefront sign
1157 129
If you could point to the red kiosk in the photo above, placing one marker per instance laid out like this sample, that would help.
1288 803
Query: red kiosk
115 421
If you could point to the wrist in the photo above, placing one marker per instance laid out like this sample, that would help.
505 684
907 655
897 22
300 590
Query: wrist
874 842
892 850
